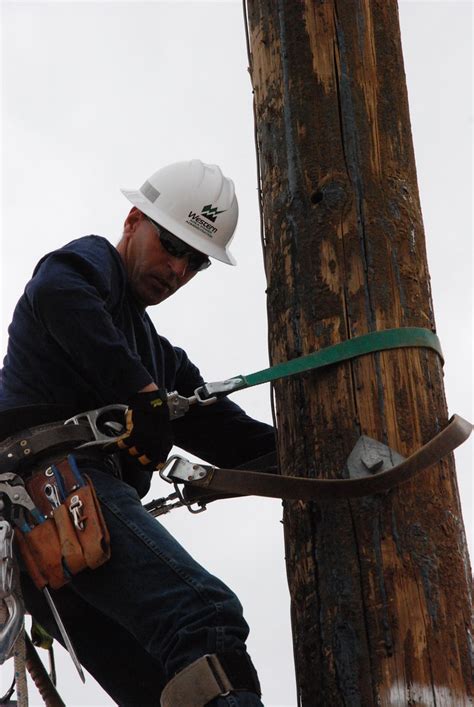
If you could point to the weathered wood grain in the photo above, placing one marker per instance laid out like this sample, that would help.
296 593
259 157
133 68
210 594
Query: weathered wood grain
381 587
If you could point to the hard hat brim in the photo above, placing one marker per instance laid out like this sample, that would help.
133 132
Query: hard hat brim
195 241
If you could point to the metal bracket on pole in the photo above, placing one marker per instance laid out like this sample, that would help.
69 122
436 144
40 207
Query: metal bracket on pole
370 457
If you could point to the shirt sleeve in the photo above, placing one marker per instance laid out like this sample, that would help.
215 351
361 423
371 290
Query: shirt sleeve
72 295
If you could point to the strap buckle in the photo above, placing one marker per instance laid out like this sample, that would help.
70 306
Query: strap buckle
178 470
209 392
103 423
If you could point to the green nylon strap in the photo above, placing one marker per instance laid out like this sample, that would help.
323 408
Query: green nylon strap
367 343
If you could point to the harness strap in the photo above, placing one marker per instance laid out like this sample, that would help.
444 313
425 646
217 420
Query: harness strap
213 675
243 483
373 342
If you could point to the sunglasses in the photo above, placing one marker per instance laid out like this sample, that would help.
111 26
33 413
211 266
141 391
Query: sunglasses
179 249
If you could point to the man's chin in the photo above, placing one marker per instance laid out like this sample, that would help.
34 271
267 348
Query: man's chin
162 297
151 299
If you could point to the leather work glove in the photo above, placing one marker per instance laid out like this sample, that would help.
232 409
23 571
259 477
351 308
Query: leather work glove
149 436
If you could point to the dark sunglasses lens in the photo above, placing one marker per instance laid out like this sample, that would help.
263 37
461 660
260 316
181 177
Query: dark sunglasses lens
178 249
172 244
199 262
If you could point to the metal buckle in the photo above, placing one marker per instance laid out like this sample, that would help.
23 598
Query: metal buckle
204 392
178 405
97 423
160 506
192 506
199 392
177 470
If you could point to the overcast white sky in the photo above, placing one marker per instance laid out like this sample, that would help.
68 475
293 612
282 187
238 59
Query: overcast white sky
98 95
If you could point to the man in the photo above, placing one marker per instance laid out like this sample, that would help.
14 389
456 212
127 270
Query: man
80 339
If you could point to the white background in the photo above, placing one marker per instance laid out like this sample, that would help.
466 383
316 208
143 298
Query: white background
97 96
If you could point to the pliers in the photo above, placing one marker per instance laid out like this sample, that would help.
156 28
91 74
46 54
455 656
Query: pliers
13 487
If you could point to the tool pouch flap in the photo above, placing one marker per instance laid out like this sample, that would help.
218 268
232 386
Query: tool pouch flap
71 548
33 569
44 551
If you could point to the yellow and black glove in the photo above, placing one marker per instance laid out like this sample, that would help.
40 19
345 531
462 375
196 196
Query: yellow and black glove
149 436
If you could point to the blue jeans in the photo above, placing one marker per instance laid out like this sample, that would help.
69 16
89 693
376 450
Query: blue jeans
147 612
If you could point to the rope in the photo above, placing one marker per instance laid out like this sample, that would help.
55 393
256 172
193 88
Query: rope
19 650
19 656
3 618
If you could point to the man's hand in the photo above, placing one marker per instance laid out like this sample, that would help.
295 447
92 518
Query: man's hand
149 436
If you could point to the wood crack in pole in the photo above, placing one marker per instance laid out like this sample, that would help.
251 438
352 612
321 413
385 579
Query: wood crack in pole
352 158
380 595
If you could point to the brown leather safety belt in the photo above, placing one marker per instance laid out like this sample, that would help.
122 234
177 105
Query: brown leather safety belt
242 483
33 445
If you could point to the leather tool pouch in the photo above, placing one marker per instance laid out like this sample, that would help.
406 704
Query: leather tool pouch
74 535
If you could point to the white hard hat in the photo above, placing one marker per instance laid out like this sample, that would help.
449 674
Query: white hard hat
195 202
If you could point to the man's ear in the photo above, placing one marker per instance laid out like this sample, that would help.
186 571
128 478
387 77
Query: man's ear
133 219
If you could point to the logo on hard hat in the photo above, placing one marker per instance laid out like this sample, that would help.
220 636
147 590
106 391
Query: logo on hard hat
196 221
210 212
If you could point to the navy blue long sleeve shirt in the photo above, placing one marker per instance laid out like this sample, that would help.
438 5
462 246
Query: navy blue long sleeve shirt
78 338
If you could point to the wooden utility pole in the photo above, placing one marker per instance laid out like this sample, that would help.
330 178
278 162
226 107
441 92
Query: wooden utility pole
380 587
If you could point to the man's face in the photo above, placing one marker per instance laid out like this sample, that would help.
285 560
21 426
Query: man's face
153 273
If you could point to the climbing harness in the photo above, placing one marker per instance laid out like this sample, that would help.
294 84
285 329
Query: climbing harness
56 508
99 428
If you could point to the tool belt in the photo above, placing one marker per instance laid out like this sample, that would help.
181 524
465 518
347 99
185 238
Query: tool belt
67 533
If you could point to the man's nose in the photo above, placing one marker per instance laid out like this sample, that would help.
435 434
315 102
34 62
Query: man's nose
178 265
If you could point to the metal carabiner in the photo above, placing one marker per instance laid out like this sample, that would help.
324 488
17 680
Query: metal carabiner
13 625
6 559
